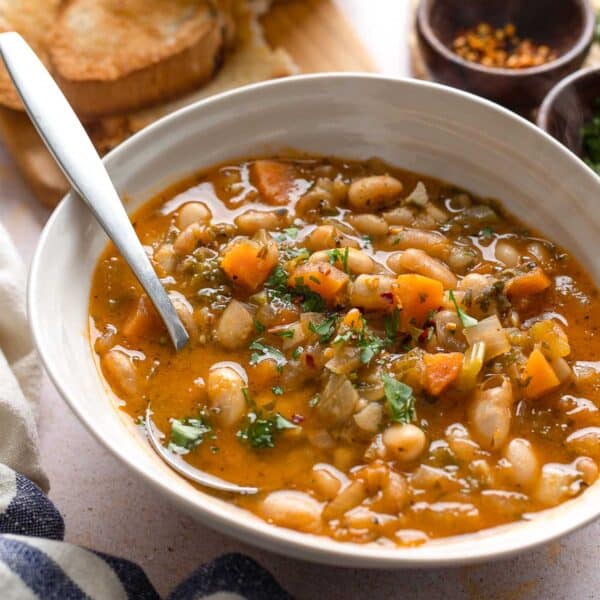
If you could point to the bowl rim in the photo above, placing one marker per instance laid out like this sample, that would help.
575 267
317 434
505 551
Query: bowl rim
270 537
551 97
584 40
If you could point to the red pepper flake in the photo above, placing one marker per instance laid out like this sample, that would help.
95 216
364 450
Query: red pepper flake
297 419
388 297
310 361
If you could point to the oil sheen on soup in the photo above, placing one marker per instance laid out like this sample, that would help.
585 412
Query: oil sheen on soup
390 358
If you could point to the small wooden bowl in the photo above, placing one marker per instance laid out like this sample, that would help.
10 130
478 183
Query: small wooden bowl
569 106
567 26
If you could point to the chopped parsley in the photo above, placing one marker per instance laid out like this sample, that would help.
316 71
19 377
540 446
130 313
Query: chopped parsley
285 333
465 319
370 344
341 256
486 233
297 352
260 328
187 433
325 329
400 399
392 324
590 133
260 432
264 352
277 390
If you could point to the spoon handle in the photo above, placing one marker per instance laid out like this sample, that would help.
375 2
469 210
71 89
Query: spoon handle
72 149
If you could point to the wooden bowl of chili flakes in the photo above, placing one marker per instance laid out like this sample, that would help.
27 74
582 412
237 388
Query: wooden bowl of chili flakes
510 52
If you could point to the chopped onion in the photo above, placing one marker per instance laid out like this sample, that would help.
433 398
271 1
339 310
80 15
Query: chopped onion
490 331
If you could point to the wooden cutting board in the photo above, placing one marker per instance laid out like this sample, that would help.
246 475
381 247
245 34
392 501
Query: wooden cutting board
317 36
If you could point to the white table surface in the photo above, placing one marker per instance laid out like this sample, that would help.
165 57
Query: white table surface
105 508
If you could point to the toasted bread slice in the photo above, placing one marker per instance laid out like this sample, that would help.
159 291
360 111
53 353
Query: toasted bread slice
250 61
111 56
32 19
31 156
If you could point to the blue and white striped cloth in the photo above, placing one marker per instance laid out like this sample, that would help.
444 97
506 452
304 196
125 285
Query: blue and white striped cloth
35 564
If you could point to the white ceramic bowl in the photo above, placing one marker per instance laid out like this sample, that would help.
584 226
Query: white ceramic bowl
420 126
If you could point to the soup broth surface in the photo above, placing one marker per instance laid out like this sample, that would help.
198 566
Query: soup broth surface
387 357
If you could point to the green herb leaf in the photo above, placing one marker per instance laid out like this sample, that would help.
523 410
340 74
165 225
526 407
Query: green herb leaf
285 333
260 328
187 433
277 390
486 233
325 329
341 256
260 432
400 399
291 232
392 324
465 319
264 352
297 352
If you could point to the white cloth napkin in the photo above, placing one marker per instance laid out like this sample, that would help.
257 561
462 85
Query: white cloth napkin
20 371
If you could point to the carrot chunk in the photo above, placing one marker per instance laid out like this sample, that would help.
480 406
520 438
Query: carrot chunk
249 263
539 375
441 370
274 180
527 284
143 320
416 296
322 278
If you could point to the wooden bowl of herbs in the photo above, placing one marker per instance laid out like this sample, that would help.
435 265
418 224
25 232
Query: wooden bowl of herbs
571 113
507 51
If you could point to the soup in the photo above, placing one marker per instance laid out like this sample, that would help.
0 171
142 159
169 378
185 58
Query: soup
390 358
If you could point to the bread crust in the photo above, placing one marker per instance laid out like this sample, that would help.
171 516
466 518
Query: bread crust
112 56
33 20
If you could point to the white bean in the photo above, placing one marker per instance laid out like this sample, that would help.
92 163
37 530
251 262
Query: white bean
328 236
404 442
188 239
225 392
165 260
372 292
418 261
349 497
185 311
374 192
525 466
121 372
235 326
369 224
585 441
369 418
588 469
193 212
357 261
292 509
325 483
554 485
252 221
490 414
507 254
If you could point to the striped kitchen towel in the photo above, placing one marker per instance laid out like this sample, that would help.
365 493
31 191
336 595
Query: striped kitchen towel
35 564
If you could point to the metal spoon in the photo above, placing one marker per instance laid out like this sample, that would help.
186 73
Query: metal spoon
74 153
184 468
72 149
